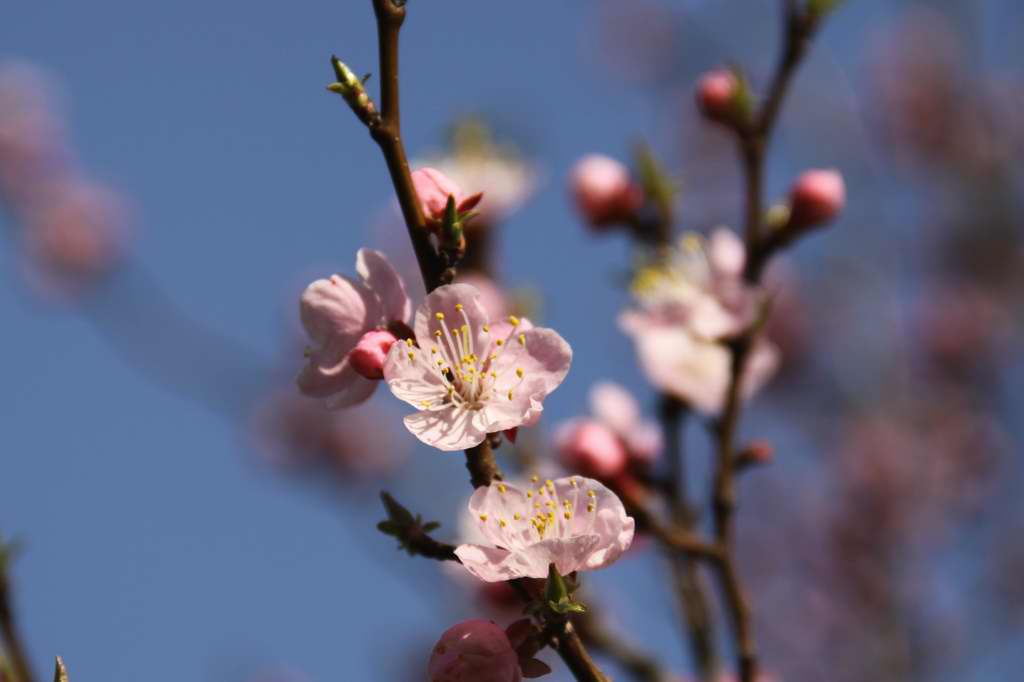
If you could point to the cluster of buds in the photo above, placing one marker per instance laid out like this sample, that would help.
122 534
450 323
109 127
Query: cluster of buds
72 228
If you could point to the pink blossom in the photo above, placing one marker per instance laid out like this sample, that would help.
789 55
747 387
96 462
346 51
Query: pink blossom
696 370
716 92
469 377
698 285
433 189
604 192
690 301
574 523
615 407
337 313
591 448
817 197
474 651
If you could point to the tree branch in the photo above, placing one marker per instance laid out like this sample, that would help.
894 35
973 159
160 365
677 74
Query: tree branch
13 643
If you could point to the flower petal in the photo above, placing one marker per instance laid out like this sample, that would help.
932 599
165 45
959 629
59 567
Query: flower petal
693 370
335 312
726 253
411 377
381 278
443 301
540 353
598 511
448 429
501 512
340 384
615 406
503 412
492 564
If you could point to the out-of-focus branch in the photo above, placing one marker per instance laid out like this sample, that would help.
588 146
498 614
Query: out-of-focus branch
690 590
13 642
641 666
800 23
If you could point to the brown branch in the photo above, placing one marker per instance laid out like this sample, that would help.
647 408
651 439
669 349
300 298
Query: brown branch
13 643
481 465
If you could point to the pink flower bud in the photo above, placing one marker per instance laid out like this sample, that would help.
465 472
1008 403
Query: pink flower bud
716 92
817 197
604 191
368 356
474 651
433 189
592 449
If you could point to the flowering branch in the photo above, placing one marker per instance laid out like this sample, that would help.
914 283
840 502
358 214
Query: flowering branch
9 632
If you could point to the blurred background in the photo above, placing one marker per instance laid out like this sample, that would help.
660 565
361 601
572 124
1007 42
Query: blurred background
184 512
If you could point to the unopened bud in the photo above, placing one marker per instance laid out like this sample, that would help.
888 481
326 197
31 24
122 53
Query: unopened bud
368 356
604 192
756 453
817 197
592 449
717 92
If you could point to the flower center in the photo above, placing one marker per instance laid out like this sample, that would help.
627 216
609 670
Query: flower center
472 374
680 274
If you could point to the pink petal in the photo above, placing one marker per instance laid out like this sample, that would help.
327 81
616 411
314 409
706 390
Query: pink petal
492 564
447 429
340 384
541 353
444 300
501 412
336 312
413 379
614 406
385 283
726 252
695 371
567 554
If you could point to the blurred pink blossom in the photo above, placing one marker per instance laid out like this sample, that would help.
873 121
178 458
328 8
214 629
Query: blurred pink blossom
470 377
588 447
474 651
574 523
73 237
337 313
689 302
604 191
